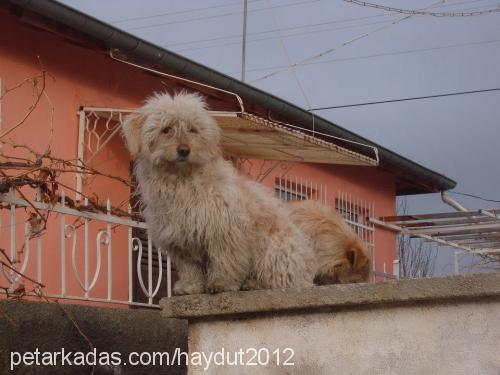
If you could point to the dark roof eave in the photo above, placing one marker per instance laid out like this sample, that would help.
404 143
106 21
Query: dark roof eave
426 179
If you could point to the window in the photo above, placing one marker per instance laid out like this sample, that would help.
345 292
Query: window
293 188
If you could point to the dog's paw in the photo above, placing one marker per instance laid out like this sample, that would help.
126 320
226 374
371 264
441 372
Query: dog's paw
250 284
219 286
181 288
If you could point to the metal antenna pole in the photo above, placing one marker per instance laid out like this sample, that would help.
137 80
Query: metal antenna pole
244 42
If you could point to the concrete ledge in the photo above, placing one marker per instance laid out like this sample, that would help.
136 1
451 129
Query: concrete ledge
333 296
26 326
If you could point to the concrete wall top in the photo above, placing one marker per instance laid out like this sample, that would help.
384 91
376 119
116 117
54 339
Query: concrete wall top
330 297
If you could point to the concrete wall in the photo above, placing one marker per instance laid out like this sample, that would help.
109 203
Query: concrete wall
26 326
429 326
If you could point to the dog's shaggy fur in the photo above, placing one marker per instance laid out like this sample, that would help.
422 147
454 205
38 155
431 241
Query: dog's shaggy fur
223 231
340 253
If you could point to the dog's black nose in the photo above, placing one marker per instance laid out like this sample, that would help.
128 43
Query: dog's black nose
183 150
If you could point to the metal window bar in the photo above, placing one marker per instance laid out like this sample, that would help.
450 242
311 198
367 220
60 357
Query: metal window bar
99 234
294 188
358 214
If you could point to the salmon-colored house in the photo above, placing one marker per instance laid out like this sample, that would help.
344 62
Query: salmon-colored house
67 80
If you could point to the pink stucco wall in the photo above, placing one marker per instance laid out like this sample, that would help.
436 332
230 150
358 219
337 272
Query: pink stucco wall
78 77
81 76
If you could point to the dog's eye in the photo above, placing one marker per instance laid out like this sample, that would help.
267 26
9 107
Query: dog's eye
193 130
167 130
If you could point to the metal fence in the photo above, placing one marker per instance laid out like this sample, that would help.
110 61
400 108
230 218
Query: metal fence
93 251
102 257
293 188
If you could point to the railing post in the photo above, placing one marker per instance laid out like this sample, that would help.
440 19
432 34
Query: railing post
110 258
63 246
130 260
395 268
150 270
12 237
86 252
38 243
169 276
80 154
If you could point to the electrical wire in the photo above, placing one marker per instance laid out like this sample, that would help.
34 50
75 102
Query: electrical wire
395 53
255 1
218 15
406 99
333 49
422 12
287 55
291 28
272 31
181 12
284 36
474 196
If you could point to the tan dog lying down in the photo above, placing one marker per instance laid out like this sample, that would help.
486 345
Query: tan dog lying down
341 255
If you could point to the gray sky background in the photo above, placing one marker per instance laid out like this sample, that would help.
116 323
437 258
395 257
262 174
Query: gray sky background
423 55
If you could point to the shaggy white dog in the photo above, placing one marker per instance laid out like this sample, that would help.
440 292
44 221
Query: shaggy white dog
223 231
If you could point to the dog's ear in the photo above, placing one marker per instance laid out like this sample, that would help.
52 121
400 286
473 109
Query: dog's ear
132 132
351 257
356 257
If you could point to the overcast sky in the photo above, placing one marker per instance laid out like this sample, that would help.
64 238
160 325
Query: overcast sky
423 55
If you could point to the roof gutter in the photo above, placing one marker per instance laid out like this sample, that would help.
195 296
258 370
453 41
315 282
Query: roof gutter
445 197
127 43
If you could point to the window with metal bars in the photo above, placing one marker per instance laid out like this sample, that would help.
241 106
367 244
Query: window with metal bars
289 188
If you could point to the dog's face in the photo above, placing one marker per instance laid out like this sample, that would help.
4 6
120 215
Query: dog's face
357 269
353 267
173 130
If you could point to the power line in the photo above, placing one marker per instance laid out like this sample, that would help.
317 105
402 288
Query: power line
394 53
475 196
181 12
287 55
333 49
284 36
405 99
270 31
218 15
237 4
422 12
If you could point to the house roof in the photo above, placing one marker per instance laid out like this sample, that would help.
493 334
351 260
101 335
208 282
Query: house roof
411 177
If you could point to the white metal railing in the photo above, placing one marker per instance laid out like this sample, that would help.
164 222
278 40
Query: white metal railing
89 247
288 187
82 241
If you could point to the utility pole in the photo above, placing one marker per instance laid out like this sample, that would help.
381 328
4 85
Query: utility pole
244 42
